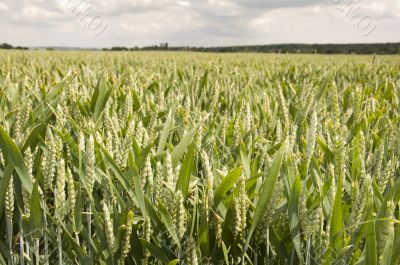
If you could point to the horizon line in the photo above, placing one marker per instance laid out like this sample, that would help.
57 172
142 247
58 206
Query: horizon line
206 47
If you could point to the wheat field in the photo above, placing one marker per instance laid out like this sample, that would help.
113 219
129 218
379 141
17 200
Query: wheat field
189 158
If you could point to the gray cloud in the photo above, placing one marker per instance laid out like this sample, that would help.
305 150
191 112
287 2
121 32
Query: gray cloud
195 22
273 4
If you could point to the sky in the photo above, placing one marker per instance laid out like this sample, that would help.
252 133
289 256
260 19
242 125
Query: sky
107 23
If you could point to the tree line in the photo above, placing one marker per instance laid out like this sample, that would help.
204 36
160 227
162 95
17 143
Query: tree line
367 48
371 48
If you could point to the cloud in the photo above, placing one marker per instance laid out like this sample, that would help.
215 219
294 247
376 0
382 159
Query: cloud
277 4
194 22
3 7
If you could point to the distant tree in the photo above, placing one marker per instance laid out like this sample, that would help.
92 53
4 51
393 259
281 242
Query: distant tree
119 49
6 46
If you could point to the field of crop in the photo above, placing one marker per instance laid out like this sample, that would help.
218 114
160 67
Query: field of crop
185 158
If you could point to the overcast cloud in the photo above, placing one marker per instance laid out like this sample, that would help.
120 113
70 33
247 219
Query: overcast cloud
197 22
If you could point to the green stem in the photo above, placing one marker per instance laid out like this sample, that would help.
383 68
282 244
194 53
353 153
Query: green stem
89 224
27 249
37 243
308 251
9 237
21 243
292 256
46 240
267 260
60 258
77 238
